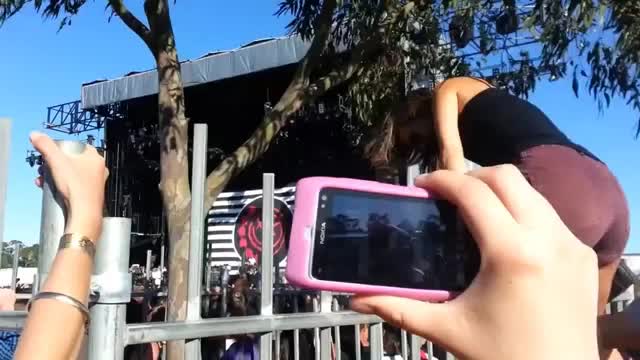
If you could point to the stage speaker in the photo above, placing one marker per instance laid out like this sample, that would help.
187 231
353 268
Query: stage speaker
461 30
507 23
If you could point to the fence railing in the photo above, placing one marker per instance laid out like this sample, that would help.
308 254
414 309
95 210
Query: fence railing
109 333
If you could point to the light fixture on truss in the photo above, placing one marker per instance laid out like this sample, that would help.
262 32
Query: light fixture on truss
461 30
507 23
33 158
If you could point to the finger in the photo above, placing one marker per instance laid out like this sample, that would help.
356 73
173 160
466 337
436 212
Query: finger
484 214
51 153
90 149
435 322
511 187
39 181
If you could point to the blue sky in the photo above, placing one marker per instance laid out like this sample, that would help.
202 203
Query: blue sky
41 68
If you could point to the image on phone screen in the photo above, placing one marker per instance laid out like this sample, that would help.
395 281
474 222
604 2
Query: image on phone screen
389 240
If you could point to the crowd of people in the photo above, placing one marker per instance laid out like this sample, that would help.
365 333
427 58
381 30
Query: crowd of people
549 219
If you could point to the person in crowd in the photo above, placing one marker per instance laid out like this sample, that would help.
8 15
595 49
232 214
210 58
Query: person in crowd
58 315
536 294
468 118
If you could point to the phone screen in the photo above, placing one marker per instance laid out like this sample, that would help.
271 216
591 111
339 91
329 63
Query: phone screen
388 240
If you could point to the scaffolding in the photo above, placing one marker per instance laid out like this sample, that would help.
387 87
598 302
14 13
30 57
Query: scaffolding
71 118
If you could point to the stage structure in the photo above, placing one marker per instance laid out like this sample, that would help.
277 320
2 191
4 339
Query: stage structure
235 224
231 91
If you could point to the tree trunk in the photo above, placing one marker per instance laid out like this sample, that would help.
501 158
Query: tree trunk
174 165
174 186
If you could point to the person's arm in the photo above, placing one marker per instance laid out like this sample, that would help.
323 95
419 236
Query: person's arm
53 329
446 111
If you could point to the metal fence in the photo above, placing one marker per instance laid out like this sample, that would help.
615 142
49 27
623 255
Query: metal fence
111 284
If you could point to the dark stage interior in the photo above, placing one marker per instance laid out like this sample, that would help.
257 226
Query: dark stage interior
317 144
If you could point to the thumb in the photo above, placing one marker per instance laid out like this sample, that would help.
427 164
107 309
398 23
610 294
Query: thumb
51 153
435 322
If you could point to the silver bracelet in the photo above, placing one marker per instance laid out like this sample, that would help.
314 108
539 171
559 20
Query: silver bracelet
64 299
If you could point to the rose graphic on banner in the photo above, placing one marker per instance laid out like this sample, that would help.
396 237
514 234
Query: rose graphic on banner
248 230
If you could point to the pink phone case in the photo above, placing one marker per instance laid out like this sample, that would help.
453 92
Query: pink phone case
298 271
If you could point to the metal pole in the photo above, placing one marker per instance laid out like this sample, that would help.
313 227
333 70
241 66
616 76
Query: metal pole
336 330
112 281
325 333
316 330
296 333
196 239
357 341
375 341
14 270
155 331
147 268
412 173
34 287
404 344
53 215
5 142
162 259
266 262
415 347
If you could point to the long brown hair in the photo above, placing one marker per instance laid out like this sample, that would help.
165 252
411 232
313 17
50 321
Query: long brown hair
384 149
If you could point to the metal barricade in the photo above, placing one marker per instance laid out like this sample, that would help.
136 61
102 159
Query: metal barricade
111 285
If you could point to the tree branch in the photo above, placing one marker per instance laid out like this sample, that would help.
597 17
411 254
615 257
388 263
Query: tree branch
354 66
322 29
132 22
261 139
294 96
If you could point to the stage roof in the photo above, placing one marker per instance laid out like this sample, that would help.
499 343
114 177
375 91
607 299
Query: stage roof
256 56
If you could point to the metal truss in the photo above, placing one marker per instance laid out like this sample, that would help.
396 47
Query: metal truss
71 118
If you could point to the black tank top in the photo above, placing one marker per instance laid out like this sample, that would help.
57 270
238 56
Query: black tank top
496 127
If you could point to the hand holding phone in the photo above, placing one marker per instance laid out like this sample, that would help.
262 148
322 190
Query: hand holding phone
365 237
535 296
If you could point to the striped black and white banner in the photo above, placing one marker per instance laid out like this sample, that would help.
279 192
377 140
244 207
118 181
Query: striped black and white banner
220 249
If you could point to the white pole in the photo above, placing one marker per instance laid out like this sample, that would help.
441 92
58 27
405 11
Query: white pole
16 264
196 240
53 215
5 142
266 262
112 280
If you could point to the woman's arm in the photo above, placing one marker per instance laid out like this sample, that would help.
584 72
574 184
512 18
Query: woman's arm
446 111
450 97
55 330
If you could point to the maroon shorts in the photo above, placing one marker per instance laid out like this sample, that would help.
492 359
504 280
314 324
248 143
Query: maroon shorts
585 194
